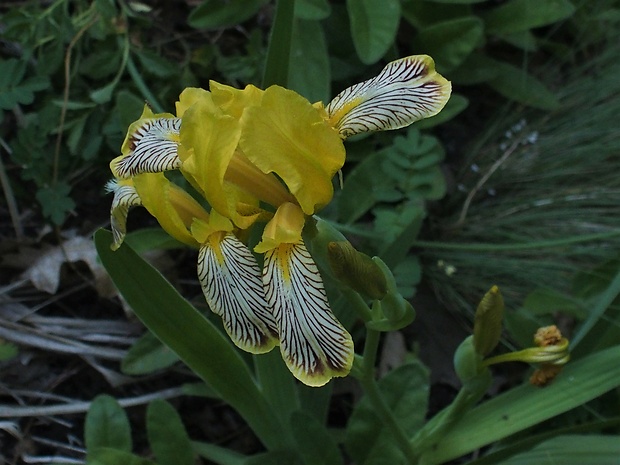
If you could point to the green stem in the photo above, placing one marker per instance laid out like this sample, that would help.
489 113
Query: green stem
438 426
371 389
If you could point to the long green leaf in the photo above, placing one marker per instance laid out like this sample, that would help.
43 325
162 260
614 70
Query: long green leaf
277 384
572 450
279 53
314 442
187 332
310 72
605 300
525 406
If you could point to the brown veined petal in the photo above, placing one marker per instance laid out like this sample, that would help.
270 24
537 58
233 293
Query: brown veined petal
153 145
125 197
405 91
232 285
314 345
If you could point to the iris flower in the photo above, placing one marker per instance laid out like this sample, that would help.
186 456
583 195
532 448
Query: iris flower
259 156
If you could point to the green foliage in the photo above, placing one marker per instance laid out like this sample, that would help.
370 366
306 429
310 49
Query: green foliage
167 435
226 374
147 355
115 62
374 24
107 426
406 393
108 60
214 14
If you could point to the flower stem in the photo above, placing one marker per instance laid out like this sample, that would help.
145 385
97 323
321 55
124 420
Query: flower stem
367 379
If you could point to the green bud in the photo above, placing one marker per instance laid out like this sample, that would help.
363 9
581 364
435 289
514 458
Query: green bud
356 270
488 322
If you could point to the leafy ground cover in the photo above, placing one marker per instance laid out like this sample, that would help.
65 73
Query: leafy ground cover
513 184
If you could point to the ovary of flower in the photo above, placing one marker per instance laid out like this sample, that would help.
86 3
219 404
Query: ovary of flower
241 149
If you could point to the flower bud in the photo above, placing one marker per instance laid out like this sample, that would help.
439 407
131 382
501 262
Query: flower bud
356 270
488 322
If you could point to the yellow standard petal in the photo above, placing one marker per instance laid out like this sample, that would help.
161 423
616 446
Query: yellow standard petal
125 197
150 146
231 282
405 91
286 135
234 101
313 343
211 138
191 95
174 209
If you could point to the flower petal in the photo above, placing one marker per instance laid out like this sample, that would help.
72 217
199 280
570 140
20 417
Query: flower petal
314 345
174 208
211 137
234 101
405 91
286 135
232 285
125 197
152 144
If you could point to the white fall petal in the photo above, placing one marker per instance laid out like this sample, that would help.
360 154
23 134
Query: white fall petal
405 91
232 285
125 197
314 345
153 148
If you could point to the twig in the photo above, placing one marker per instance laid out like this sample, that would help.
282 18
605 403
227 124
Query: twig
65 99
484 179
21 334
10 198
8 411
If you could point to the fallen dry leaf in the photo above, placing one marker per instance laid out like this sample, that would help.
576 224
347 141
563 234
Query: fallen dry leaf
44 273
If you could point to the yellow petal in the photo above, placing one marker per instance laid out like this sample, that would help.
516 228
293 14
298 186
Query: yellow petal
191 95
234 101
201 230
284 228
212 137
313 343
286 135
405 91
232 285
125 197
150 146
174 209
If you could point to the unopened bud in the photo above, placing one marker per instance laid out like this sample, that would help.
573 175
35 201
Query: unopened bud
356 270
488 322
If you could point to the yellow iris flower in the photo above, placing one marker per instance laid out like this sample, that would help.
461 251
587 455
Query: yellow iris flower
263 155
